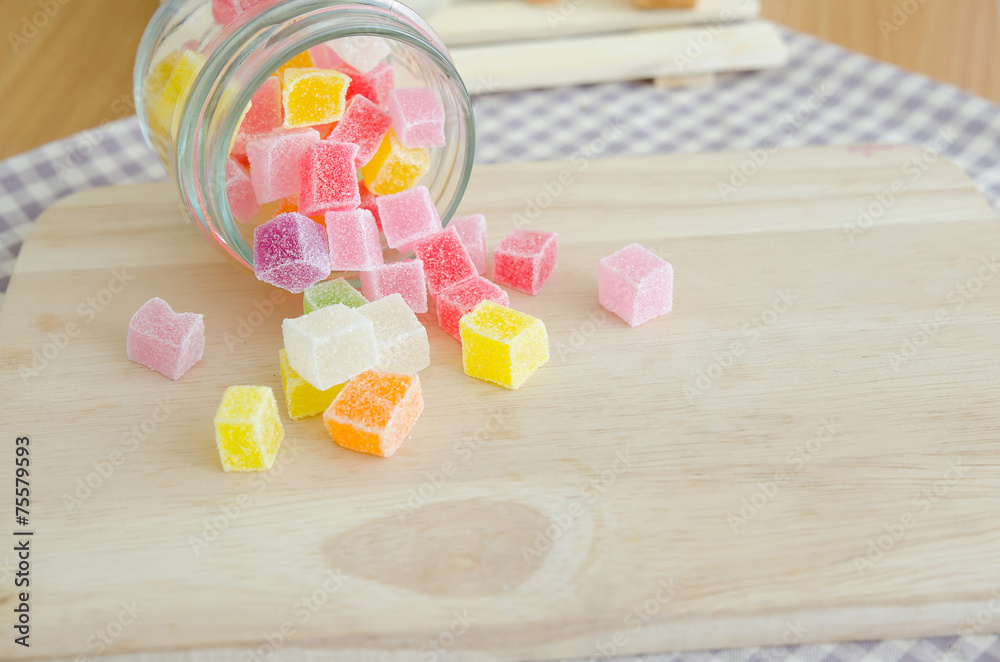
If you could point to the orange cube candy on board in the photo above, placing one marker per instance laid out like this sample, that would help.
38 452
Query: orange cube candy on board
313 96
375 412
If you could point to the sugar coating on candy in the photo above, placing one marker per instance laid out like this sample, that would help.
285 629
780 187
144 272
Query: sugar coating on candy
417 117
368 202
303 60
239 191
405 277
331 345
274 162
165 341
525 259
395 168
407 217
291 252
362 52
329 180
636 285
459 299
472 231
264 115
375 412
354 242
364 125
374 85
402 340
313 96
329 293
502 345
301 398
248 429
446 262
167 84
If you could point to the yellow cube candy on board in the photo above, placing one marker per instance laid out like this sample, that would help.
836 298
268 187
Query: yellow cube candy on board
167 84
248 430
395 168
303 399
501 345
313 96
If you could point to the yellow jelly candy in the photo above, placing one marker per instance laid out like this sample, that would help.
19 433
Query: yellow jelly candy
303 60
167 84
501 345
303 399
395 168
248 430
313 96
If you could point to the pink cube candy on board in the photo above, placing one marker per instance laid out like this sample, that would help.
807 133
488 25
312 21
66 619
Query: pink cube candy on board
446 262
407 217
291 251
364 125
353 238
462 297
274 162
329 178
368 202
636 285
525 259
417 117
265 114
239 191
168 342
405 278
374 85
472 231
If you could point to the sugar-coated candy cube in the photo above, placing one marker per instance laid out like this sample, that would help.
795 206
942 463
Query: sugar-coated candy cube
248 429
264 115
325 58
502 345
395 168
303 60
354 243
375 412
301 398
405 277
329 180
636 285
402 340
239 191
226 11
460 298
362 52
407 217
374 85
417 117
368 202
167 84
446 262
291 252
313 96
331 345
363 125
472 231
525 259
330 292
165 341
274 162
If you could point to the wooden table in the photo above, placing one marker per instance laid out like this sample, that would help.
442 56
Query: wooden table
75 70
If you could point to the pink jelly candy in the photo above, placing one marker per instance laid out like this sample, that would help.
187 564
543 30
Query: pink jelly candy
265 114
239 191
329 178
446 262
364 125
462 297
525 259
368 202
417 117
324 57
374 85
353 238
407 217
405 278
636 285
472 231
168 342
291 252
274 162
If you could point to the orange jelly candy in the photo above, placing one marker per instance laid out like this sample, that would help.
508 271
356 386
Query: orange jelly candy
375 412
291 203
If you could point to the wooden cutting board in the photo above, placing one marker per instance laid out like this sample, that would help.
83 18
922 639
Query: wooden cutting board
806 449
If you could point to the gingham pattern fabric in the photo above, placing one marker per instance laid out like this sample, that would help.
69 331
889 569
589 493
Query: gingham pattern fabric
825 96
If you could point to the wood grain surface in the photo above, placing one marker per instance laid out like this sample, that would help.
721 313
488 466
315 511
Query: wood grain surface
805 449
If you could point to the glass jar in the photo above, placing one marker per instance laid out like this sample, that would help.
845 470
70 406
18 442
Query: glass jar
215 69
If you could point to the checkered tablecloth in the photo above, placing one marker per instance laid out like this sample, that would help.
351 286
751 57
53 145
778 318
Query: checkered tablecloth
825 96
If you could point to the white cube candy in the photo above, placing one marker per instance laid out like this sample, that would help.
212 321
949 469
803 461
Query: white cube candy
331 345
402 339
362 52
